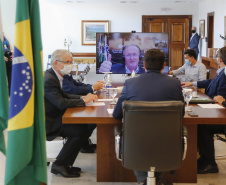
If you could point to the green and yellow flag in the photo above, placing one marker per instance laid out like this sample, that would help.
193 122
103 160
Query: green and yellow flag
4 95
26 153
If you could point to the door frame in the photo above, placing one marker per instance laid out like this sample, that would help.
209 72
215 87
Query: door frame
210 14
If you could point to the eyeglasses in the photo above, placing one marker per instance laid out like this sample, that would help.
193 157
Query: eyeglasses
130 56
66 62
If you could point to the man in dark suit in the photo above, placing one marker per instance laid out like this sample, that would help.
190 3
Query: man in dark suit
194 41
56 103
71 86
150 86
131 55
213 87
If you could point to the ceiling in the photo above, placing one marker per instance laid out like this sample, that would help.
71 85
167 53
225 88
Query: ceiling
126 1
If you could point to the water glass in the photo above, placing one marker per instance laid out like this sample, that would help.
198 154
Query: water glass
113 93
187 97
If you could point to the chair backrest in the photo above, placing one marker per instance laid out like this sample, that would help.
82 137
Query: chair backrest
152 135
208 73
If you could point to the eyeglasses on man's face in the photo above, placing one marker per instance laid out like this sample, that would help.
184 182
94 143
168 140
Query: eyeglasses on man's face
65 62
131 55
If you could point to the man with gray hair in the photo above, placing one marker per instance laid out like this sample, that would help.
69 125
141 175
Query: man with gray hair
56 103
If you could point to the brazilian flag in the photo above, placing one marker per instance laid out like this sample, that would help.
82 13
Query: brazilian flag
4 100
26 153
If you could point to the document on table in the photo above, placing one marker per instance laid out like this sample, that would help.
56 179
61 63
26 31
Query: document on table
95 104
110 111
211 106
105 100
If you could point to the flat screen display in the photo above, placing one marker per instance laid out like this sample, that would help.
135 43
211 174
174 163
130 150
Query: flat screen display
122 53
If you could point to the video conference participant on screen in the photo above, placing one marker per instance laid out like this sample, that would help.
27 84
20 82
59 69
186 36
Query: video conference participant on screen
131 53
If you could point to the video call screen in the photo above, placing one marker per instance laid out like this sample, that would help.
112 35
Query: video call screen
118 46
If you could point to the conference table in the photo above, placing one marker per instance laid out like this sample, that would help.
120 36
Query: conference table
109 169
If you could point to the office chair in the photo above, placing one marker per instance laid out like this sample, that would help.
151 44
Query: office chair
48 62
208 73
220 137
49 159
152 139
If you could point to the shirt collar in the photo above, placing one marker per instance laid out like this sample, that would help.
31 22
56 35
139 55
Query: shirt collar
60 78
196 64
219 70
128 71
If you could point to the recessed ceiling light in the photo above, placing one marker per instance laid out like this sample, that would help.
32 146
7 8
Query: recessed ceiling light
133 1
123 1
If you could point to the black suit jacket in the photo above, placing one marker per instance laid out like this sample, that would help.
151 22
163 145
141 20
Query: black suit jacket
151 86
56 103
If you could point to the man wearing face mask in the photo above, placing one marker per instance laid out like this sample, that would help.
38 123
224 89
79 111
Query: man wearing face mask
56 103
214 88
194 41
193 70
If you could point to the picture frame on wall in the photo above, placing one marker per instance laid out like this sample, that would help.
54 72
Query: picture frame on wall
90 28
202 29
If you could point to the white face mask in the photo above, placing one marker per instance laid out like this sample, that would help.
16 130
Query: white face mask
67 69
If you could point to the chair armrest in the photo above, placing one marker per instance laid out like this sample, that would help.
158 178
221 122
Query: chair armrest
185 131
185 138
117 133
117 130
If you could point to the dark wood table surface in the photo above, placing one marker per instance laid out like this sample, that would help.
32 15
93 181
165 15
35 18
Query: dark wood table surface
109 169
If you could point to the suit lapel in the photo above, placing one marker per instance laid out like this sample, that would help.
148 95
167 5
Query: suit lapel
214 80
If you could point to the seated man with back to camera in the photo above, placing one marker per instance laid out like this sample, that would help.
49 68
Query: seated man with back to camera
71 86
165 89
193 70
56 103
131 55
213 88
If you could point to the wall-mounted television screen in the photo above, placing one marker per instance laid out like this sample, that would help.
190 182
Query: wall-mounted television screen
122 53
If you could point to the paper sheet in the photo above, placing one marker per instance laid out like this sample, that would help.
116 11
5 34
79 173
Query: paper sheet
211 106
110 111
95 104
105 100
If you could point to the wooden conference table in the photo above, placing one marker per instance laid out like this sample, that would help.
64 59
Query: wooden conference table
109 169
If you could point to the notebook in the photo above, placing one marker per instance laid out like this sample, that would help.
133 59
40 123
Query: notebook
201 100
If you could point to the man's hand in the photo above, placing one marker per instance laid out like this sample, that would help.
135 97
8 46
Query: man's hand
106 65
89 97
6 59
171 73
186 84
98 85
219 99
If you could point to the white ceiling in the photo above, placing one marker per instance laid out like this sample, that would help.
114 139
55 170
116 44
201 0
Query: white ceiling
126 1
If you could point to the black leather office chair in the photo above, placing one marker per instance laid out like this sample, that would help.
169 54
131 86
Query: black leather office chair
152 137
208 73
49 62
